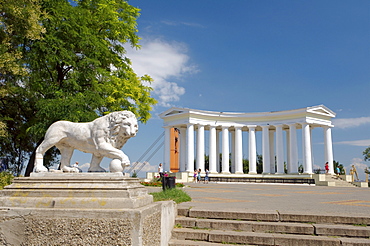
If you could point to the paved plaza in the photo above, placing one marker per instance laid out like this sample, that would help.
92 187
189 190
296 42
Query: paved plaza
304 199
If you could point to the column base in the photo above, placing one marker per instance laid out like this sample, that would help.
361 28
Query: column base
239 173
308 173
252 173
225 173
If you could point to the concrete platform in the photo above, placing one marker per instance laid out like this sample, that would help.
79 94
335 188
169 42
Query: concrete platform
282 198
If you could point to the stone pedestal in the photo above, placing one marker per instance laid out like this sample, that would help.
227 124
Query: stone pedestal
75 190
80 209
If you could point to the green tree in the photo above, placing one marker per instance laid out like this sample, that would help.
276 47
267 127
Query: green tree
366 154
341 167
73 68
245 166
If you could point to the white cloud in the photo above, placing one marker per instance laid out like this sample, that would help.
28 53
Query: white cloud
362 143
182 23
164 62
351 122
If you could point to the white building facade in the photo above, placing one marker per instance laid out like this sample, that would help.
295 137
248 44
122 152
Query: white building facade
225 136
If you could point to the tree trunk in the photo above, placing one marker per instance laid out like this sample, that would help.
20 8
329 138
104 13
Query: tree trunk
31 161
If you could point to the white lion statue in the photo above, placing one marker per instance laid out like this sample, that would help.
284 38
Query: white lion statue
103 137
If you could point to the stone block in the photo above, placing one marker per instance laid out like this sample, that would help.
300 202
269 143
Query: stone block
25 226
190 234
355 242
186 222
183 212
325 219
342 230
234 215
241 237
299 240
283 227
231 225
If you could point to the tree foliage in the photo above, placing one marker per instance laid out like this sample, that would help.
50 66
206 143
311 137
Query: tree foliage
366 154
65 60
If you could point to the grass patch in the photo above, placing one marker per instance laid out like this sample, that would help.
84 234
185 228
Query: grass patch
6 178
364 225
177 195
178 226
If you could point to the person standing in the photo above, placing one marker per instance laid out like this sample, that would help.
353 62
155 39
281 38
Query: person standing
199 177
327 167
195 176
160 170
206 177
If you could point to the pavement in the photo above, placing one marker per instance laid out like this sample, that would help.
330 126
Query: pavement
285 198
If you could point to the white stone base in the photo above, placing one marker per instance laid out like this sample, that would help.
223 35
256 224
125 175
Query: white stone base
75 190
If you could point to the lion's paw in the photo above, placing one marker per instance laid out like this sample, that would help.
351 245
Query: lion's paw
40 169
96 170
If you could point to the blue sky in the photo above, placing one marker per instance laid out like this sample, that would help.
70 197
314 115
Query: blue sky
257 56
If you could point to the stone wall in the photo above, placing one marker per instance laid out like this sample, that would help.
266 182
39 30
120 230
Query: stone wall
22 226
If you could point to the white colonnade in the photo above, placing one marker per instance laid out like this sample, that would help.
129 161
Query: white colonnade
225 137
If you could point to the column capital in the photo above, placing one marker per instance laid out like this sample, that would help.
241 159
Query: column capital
327 127
251 126
279 125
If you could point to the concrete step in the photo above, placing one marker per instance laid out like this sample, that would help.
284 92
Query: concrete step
276 227
255 238
175 242
332 180
269 216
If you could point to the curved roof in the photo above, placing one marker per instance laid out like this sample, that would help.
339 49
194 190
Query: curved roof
315 115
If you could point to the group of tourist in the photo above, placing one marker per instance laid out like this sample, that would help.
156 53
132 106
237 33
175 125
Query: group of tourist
197 174
198 177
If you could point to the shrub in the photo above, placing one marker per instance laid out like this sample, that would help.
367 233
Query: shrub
6 178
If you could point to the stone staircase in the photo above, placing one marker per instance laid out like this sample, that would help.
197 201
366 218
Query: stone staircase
206 227
333 180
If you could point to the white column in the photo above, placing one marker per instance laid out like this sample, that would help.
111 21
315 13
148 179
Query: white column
265 149
279 149
232 151
225 150
182 149
252 150
306 148
190 148
200 148
238 150
167 148
287 149
328 145
272 152
293 165
212 150
218 151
